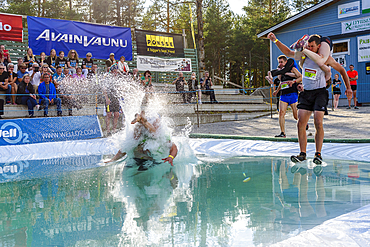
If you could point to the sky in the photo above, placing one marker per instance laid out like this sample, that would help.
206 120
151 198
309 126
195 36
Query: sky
237 5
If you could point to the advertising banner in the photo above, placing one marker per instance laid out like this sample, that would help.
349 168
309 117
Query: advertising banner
53 129
349 9
11 27
356 25
30 169
45 34
365 6
363 44
159 44
163 64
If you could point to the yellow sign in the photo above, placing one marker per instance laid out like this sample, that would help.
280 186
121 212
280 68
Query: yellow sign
159 41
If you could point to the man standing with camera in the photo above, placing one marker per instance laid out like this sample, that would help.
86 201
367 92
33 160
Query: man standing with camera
180 86
35 76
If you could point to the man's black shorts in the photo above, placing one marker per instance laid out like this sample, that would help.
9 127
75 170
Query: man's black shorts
327 40
114 105
354 87
313 100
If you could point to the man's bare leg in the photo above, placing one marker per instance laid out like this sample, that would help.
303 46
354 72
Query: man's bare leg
283 106
303 117
107 121
354 98
118 155
295 110
319 126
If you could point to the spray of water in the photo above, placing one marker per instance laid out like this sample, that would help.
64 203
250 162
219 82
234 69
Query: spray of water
133 99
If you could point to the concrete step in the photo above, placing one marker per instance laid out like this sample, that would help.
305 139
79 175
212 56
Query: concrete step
234 107
21 111
219 89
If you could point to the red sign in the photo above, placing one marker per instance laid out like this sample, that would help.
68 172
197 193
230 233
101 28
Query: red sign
11 27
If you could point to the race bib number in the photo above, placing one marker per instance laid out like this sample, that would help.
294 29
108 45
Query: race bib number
310 74
284 85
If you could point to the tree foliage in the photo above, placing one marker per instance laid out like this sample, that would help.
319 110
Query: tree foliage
232 48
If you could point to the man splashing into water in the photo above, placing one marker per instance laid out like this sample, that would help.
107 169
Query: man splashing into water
145 131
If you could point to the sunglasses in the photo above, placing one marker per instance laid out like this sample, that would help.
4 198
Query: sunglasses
2 68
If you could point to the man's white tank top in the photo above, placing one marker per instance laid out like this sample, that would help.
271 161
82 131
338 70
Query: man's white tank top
312 76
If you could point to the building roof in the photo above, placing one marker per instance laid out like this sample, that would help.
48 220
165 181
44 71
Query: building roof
301 15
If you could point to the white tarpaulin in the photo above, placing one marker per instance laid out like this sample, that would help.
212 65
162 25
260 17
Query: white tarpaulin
163 64
363 44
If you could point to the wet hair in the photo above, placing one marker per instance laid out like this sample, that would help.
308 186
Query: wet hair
315 38
282 57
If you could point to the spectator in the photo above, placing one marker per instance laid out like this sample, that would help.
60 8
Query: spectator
4 56
12 79
61 60
353 77
4 83
27 95
16 66
51 60
72 61
193 88
87 64
93 71
21 72
48 96
35 75
123 66
79 74
58 76
1 108
45 69
180 86
336 90
147 80
136 75
66 73
29 59
206 84
42 59
109 62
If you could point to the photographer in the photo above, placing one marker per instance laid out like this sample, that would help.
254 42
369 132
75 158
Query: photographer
147 80
193 88
206 84
35 75
180 86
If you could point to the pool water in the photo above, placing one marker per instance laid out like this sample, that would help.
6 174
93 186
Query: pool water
206 204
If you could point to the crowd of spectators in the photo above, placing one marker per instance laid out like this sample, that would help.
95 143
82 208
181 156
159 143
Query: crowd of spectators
48 72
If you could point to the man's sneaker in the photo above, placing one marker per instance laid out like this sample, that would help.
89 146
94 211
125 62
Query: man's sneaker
199 102
299 44
282 134
348 107
37 107
298 158
356 107
318 159
41 107
8 103
307 127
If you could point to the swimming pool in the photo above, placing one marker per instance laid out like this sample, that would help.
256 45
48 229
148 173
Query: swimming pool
206 203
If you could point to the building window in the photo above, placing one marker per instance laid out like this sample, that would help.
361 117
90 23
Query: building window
341 47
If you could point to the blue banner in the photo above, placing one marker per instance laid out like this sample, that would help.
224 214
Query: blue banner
45 34
53 129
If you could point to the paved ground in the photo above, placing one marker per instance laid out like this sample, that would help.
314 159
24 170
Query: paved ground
341 123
